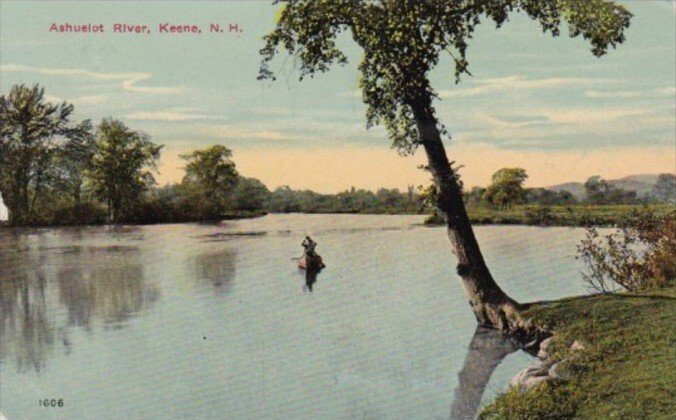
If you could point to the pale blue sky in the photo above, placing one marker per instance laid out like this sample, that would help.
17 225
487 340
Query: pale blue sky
540 102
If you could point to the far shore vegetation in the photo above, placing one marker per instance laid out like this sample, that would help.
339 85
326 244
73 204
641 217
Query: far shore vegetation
56 171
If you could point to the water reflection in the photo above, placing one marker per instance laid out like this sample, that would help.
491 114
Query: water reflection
24 321
311 277
486 351
217 269
83 283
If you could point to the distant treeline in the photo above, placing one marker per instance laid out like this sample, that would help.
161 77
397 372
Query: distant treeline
285 200
55 171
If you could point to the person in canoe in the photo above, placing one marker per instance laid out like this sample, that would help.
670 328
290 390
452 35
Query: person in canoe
310 257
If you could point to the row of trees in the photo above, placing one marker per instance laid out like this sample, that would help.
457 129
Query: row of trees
54 170
46 159
506 190
284 200
599 191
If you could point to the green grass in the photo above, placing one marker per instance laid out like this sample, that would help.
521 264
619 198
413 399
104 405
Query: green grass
628 366
578 215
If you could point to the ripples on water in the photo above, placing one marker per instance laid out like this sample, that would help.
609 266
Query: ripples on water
215 321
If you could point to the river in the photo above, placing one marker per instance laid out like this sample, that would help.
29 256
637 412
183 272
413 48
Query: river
215 321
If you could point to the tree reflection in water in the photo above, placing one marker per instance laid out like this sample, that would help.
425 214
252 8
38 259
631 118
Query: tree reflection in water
104 283
217 269
111 292
486 351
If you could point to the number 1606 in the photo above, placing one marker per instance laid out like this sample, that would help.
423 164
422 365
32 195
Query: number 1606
51 403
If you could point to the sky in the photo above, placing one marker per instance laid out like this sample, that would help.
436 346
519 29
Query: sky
533 101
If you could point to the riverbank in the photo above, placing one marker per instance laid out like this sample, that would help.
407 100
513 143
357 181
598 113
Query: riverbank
626 369
574 216
577 215
149 220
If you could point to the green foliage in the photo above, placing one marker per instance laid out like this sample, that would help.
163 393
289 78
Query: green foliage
475 197
403 40
54 172
640 254
664 190
29 131
625 371
575 215
251 194
75 157
69 214
210 178
122 166
389 201
540 216
547 197
543 402
506 188
428 197
599 191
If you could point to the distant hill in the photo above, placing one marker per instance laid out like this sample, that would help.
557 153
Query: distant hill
642 184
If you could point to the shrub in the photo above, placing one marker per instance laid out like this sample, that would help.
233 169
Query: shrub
639 254
540 215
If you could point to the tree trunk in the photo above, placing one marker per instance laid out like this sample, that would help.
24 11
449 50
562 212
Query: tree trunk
77 200
491 306
12 203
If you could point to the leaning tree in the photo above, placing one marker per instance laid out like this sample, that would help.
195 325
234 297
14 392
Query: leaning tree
402 41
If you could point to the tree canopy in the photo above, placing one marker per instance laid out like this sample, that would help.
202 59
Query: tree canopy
506 188
29 128
599 191
664 190
123 165
402 40
211 173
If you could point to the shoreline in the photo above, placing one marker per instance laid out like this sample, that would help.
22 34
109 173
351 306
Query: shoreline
539 216
237 215
610 355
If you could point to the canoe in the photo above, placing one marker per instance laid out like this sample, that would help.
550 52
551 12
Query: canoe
310 261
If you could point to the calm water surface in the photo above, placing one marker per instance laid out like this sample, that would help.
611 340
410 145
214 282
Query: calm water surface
214 321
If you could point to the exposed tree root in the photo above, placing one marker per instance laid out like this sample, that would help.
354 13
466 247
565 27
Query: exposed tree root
506 317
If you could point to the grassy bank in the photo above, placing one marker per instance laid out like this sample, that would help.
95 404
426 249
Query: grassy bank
626 370
146 219
577 215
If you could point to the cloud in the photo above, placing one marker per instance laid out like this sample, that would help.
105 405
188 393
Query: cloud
514 121
567 128
53 99
548 118
586 116
516 82
170 115
628 94
81 100
90 100
229 132
128 81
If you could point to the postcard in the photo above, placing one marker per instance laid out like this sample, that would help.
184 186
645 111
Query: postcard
308 209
